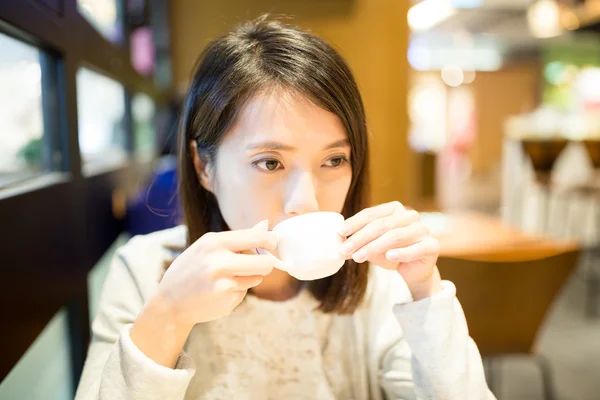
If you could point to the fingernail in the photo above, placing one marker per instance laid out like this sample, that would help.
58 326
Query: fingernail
262 225
360 256
347 247
344 231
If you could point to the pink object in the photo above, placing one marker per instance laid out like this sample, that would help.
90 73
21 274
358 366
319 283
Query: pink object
142 51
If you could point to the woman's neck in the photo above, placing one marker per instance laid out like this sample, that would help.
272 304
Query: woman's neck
277 286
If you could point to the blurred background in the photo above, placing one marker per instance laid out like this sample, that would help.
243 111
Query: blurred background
484 115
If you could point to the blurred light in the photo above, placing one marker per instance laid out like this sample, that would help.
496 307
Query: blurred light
466 3
469 77
569 20
421 99
103 15
104 11
419 57
545 121
463 40
543 18
142 107
87 8
588 84
453 75
433 58
572 72
427 112
143 52
555 73
428 13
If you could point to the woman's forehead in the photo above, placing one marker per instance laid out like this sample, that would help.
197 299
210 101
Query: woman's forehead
287 118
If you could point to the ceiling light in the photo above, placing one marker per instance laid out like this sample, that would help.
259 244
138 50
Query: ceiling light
453 75
429 13
543 18
469 77
466 3
433 57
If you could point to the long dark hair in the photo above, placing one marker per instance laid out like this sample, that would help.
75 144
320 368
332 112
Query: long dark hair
264 55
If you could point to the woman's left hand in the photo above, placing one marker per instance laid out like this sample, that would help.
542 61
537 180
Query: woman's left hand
394 238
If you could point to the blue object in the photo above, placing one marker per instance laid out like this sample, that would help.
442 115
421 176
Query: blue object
156 206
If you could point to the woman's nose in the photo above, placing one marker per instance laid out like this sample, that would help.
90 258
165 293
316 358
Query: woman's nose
301 196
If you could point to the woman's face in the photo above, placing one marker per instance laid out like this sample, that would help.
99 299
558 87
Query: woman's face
284 157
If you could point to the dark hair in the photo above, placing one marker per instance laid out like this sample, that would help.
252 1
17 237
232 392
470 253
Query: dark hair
270 55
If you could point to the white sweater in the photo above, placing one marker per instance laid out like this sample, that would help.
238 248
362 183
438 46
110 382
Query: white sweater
391 347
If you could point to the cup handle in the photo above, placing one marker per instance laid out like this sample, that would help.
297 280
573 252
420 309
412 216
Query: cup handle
264 225
278 263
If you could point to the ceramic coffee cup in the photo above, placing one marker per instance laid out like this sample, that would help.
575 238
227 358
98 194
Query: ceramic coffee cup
309 245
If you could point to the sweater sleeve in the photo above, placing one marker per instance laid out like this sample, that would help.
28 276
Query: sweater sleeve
444 361
115 368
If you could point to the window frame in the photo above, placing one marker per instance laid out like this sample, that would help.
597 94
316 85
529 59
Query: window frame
54 230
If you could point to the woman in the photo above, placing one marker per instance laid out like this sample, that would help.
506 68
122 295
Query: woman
274 127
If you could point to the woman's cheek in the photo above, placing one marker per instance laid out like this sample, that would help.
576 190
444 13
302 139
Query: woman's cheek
333 197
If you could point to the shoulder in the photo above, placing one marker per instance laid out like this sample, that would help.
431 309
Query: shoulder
144 256
155 241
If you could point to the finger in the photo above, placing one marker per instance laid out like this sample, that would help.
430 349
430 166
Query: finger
237 284
248 282
226 285
378 228
249 265
362 218
238 297
244 239
426 248
392 239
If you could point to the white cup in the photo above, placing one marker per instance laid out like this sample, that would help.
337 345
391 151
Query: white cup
310 245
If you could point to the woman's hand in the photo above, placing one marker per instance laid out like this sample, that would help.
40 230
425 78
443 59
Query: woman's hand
206 282
210 278
393 237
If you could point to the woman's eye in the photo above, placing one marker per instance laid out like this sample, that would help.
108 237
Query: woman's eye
335 162
268 165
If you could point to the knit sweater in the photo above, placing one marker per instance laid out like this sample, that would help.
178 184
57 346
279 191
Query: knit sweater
390 348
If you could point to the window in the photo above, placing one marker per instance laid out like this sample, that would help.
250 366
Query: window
104 15
102 123
142 110
23 148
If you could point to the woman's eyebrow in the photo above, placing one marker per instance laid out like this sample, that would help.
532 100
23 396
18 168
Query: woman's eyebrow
277 146
337 144
272 146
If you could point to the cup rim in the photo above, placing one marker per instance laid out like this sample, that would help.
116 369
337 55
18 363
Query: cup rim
311 214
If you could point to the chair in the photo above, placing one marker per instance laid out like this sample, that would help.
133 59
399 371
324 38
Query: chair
506 295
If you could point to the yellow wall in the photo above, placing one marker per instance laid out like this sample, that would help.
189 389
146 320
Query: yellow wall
498 95
371 34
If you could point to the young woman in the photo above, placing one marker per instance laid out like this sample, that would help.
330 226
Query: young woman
274 127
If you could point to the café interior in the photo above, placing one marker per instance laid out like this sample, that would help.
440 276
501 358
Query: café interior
483 115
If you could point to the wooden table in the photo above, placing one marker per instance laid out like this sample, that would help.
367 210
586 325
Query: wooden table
470 234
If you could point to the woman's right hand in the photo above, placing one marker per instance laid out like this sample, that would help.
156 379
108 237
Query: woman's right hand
211 277
206 282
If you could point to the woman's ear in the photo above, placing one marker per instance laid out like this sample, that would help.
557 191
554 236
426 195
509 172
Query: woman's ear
202 168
